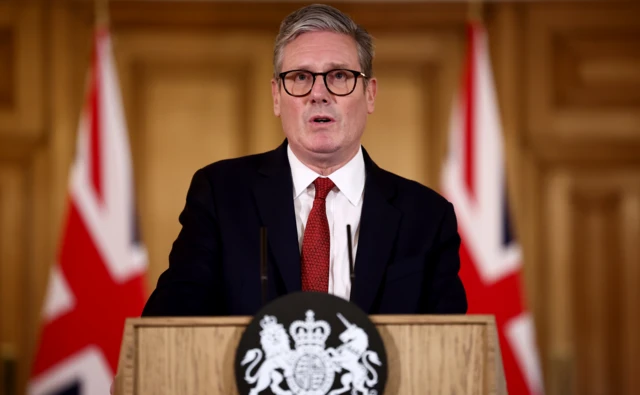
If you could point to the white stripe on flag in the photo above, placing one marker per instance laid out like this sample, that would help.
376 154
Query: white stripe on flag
521 336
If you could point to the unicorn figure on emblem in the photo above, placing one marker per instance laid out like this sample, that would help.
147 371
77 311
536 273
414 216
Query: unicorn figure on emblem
348 356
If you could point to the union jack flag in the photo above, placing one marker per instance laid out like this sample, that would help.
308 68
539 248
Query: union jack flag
97 280
474 181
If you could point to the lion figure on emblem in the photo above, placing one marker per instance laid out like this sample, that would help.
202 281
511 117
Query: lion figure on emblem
277 351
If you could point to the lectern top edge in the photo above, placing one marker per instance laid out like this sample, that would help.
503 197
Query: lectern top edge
376 319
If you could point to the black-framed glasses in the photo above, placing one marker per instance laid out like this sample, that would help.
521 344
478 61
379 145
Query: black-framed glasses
340 82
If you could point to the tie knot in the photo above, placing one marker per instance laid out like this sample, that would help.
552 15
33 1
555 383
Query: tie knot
323 186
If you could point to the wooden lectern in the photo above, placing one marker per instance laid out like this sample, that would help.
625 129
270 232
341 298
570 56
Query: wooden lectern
426 355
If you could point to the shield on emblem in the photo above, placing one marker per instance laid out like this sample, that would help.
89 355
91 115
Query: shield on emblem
311 343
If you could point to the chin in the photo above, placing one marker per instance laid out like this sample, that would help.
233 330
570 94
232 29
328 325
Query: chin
323 146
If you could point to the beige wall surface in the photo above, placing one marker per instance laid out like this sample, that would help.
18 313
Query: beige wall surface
195 82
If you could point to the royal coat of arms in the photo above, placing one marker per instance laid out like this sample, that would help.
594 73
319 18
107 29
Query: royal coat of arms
311 368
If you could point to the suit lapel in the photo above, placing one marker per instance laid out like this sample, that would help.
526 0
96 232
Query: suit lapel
379 223
274 197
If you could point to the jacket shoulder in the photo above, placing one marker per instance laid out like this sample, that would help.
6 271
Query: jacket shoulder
243 167
414 193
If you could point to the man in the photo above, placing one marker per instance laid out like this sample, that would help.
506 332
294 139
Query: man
306 192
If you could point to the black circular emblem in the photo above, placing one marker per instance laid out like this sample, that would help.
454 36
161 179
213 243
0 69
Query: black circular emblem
310 343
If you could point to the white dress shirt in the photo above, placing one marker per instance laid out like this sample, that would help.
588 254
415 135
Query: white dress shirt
343 206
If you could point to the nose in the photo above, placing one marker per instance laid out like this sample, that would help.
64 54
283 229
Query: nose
319 92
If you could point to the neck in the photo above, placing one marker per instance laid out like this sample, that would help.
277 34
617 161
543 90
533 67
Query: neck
328 166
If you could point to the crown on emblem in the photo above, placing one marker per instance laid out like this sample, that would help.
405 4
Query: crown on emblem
269 321
310 332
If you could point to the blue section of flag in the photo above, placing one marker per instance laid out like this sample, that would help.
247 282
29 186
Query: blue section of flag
137 239
74 388
507 234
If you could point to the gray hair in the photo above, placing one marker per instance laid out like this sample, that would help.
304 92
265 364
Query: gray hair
318 18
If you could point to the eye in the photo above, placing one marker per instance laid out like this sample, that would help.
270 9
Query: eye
300 76
339 75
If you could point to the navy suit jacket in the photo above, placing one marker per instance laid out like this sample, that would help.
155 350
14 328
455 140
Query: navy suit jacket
407 260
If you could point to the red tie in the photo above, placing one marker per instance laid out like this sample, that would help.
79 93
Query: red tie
316 241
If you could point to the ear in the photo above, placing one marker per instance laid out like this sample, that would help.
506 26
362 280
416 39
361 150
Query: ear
275 94
372 90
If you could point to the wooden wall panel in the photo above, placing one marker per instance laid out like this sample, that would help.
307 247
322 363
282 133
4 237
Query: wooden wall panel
13 218
591 70
421 69
6 67
22 127
583 74
592 218
25 258
21 71
581 136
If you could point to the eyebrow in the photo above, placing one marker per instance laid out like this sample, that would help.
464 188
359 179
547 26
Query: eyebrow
331 67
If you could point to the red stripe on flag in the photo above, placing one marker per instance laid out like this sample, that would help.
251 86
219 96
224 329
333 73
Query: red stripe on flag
95 162
469 107
501 299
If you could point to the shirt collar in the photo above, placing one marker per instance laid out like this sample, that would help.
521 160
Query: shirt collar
349 178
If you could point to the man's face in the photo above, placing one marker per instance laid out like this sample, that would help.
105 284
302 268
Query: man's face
338 139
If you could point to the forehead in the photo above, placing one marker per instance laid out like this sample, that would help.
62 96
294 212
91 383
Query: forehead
318 51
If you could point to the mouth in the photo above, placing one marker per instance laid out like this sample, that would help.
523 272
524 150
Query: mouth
321 119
